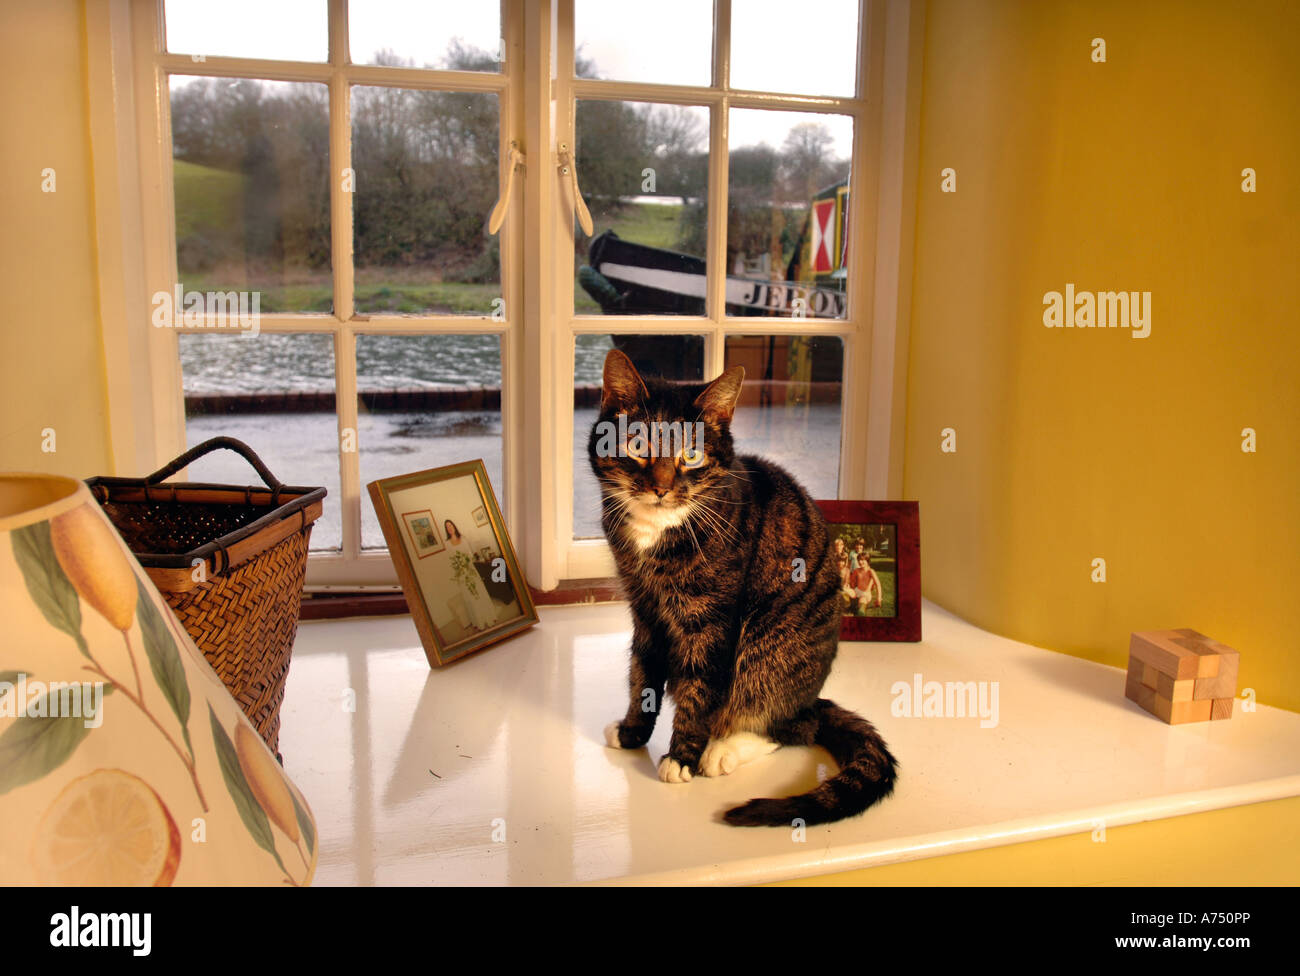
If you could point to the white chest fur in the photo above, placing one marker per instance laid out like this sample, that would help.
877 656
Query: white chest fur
645 524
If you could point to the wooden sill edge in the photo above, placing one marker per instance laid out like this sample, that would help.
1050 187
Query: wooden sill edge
334 605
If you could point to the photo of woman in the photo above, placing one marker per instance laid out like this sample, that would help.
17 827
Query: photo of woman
482 611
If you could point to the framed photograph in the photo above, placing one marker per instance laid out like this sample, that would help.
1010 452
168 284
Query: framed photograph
461 577
423 533
877 546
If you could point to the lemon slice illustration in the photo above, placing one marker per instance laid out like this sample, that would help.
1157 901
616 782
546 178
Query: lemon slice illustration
107 828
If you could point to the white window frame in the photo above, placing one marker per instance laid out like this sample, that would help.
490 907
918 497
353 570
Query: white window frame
132 148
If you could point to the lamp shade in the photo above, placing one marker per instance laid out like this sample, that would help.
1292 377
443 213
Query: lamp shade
123 759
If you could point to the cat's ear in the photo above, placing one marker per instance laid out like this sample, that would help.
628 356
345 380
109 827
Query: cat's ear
718 401
623 385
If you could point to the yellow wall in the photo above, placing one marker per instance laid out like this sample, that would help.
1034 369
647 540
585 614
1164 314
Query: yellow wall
1077 444
51 355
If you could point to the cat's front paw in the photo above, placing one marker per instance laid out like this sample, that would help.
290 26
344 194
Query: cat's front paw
671 771
720 758
620 736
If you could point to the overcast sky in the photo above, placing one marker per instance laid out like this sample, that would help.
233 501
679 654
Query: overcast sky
805 47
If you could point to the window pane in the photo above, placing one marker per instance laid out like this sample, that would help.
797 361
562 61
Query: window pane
789 408
276 394
808 49
674 357
448 34
671 45
426 171
787 213
425 401
287 30
643 170
251 175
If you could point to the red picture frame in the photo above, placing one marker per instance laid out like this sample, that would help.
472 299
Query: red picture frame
905 518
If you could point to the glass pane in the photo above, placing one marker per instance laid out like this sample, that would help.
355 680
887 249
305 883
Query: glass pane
643 170
287 30
449 34
810 49
673 357
673 45
276 394
426 180
789 408
425 401
251 175
787 213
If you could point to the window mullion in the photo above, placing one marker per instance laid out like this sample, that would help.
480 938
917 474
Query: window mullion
541 390
513 432
345 406
340 163
345 342
716 248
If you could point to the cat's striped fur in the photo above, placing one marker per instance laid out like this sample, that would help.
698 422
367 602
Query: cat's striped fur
723 617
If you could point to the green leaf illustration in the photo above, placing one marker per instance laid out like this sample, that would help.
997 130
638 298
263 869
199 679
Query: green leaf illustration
250 811
304 822
48 585
164 659
35 746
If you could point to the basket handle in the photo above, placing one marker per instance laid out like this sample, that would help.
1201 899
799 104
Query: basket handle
210 445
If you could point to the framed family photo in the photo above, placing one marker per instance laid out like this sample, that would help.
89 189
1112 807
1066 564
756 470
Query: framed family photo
877 549
454 558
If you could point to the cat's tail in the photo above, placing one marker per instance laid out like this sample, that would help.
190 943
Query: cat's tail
866 776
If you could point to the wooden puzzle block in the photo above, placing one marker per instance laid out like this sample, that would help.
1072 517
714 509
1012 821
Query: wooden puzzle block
1179 713
1191 711
1207 660
1223 684
1221 708
1156 648
1167 687
1138 692
1181 675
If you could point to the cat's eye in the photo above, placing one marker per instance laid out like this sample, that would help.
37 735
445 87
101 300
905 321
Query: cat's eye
638 448
692 457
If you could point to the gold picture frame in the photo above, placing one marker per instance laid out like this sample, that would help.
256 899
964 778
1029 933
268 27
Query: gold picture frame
460 601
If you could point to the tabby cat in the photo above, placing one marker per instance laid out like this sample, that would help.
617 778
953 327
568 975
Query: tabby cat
708 544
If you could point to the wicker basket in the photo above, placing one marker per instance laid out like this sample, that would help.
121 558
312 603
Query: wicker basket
242 608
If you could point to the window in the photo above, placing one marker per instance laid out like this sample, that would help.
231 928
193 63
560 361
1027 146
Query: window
336 165
718 180
338 161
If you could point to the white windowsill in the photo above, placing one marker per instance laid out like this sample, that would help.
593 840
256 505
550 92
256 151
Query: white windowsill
514 736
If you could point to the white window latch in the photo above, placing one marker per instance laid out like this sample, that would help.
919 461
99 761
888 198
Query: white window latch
516 161
569 171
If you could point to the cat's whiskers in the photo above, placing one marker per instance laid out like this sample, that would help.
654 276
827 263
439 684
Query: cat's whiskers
698 550
715 521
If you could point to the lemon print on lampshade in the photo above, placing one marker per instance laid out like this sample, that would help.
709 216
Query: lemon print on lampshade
123 759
